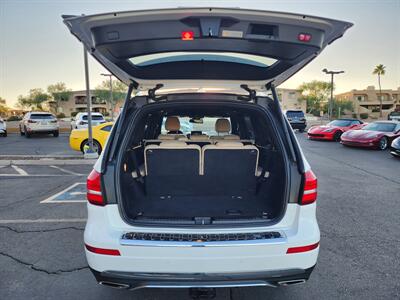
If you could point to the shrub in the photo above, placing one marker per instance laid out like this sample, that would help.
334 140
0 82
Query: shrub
60 115
14 118
74 113
364 116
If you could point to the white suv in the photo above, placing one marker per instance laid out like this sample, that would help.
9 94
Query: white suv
81 120
227 205
39 122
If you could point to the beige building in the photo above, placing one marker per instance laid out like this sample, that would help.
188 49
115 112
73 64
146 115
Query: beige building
368 101
290 99
77 103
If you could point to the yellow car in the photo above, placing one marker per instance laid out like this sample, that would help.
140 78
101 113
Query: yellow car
78 140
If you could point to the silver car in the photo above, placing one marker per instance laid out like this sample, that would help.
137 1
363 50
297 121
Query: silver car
3 127
39 122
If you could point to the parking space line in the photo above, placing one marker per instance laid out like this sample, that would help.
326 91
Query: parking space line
67 171
25 221
35 175
52 198
19 170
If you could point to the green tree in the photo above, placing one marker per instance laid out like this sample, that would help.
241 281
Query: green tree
59 92
34 100
3 107
339 105
380 71
315 93
119 90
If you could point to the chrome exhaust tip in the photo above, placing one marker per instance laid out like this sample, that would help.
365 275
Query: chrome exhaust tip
292 282
114 285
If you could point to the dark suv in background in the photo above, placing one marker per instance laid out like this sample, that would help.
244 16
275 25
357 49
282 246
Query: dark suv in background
297 119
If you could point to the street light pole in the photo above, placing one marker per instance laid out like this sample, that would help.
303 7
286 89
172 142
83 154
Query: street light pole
89 153
330 106
111 94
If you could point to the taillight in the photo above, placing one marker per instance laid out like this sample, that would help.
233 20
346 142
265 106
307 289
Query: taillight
53 121
304 37
93 185
310 188
187 35
302 248
103 251
31 121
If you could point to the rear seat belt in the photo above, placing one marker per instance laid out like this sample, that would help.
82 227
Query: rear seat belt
135 163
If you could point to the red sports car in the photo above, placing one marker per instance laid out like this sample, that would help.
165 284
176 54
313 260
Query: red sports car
333 130
376 135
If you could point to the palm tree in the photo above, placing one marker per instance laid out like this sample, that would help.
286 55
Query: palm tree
379 70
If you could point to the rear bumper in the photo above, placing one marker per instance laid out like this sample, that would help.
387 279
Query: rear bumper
301 126
44 129
135 281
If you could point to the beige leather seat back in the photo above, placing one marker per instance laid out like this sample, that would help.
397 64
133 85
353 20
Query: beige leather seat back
223 128
173 126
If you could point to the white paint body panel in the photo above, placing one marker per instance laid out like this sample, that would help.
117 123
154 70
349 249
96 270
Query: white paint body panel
105 227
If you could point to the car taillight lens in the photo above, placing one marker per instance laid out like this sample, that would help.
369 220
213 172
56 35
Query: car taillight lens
53 121
302 248
93 184
103 251
310 188
31 121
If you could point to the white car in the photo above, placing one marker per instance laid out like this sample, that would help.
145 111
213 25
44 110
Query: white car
81 120
39 122
3 127
230 207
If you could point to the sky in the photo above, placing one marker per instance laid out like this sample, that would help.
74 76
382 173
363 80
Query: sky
36 49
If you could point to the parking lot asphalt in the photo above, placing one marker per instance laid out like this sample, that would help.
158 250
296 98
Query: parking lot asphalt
41 247
38 144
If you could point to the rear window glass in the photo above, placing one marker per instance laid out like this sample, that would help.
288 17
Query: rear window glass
159 58
95 118
41 116
293 114
386 127
206 127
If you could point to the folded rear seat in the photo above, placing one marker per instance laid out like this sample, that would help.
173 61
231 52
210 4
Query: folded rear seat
171 168
230 168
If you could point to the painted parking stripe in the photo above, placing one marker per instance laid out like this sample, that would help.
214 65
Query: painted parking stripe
25 221
67 171
65 196
19 170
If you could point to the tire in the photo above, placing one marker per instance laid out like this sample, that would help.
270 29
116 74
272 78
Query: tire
20 132
96 145
337 135
56 133
26 133
383 143
5 134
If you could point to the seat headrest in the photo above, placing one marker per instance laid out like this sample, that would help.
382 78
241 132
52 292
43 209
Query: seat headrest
222 125
172 124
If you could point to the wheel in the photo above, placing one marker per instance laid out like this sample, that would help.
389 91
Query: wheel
337 135
56 133
20 131
383 143
27 134
96 146
5 134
